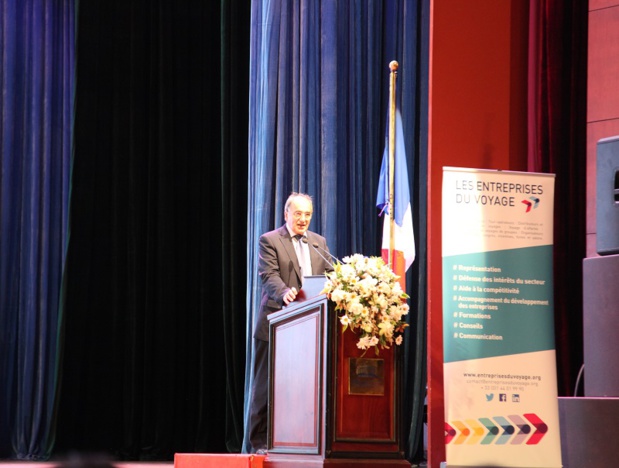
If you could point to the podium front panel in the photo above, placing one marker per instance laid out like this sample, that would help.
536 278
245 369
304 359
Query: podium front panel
296 382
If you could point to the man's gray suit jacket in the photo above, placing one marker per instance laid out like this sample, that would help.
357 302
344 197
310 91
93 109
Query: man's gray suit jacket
278 268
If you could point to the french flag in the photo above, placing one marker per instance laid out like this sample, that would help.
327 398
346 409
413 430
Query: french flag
403 254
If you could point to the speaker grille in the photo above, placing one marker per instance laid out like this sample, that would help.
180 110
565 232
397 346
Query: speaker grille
607 196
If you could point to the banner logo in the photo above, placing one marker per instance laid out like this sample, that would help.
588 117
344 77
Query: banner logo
533 203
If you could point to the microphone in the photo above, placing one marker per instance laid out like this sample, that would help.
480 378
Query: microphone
317 247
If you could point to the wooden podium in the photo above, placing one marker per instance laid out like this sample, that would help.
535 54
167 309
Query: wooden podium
329 405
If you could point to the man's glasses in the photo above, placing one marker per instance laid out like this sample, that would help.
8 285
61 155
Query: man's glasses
300 215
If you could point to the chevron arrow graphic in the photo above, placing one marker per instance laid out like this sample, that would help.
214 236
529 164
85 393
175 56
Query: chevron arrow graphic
450 433
493 430
478 431
541 428
523 429
508 430
464 432
500 430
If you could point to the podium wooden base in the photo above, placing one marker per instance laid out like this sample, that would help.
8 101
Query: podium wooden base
330 405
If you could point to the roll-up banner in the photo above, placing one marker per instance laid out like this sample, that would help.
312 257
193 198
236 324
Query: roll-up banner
500 378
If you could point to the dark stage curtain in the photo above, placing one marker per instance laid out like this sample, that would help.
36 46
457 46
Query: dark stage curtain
154 351
37 55
557 144
318 105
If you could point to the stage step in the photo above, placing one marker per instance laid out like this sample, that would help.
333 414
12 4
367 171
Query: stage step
218 460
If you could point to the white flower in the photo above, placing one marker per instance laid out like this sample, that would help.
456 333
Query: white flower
355 307
364 342
385 328
344 320
338 296
369 300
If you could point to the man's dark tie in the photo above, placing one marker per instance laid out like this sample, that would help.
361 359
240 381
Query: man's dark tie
305 269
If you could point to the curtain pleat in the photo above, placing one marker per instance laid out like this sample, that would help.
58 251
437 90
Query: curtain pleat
557 144
155 312
37 46
317 103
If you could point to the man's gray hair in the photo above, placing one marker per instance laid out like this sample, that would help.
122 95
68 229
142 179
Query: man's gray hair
294 195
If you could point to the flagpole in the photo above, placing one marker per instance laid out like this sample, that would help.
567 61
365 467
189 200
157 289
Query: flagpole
393 67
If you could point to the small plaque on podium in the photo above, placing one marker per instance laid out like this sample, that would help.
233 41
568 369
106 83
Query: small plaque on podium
367 377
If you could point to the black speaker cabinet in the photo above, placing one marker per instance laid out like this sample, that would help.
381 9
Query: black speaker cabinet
607 199
584 439
601 325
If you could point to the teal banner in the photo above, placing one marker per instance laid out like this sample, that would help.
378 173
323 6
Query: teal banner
499 368
498 303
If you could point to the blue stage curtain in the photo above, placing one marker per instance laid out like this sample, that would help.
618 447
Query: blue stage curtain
37 80
319 84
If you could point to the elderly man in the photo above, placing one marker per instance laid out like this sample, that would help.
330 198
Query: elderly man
285 258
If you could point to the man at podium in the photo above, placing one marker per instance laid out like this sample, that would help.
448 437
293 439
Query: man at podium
286 255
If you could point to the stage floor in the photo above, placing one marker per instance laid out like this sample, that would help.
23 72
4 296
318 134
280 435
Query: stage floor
52 464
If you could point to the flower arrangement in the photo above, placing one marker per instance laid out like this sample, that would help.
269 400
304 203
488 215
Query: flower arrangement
370 300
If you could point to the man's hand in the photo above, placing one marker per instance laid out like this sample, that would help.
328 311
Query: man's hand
290 296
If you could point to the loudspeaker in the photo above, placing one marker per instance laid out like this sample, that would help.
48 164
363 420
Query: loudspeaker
600 325
585 441
607 200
